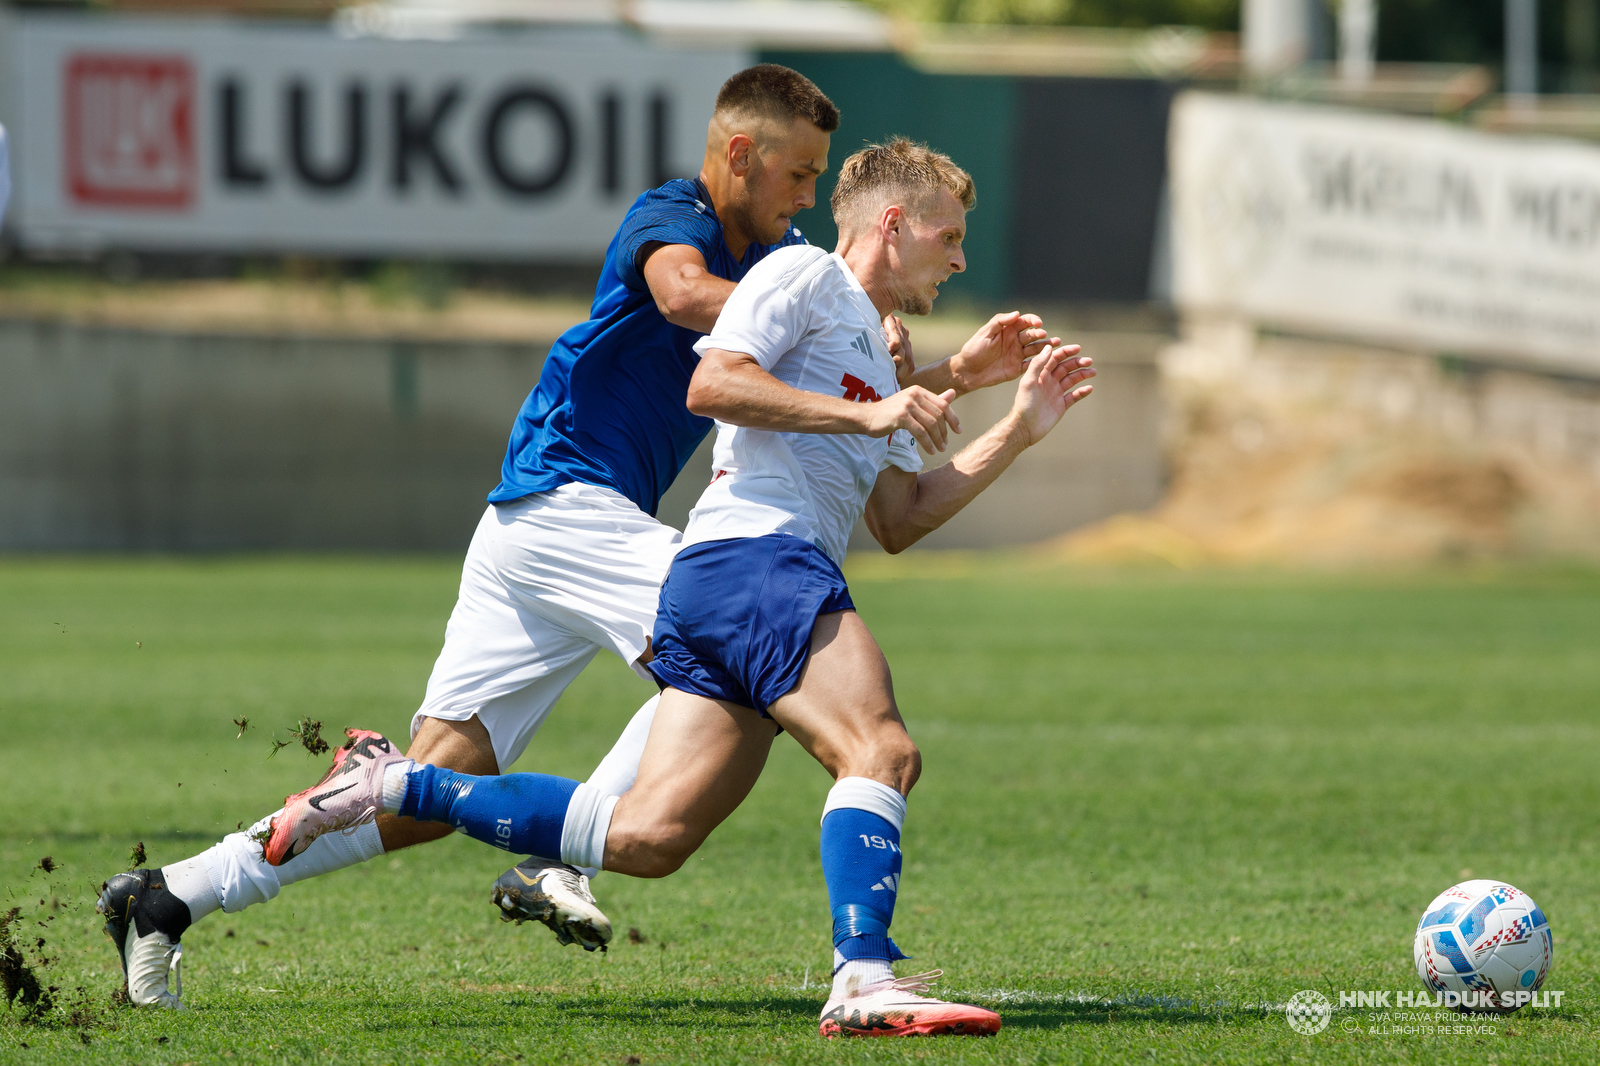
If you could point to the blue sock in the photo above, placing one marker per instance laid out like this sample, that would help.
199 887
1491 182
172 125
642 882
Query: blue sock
521 813
861 861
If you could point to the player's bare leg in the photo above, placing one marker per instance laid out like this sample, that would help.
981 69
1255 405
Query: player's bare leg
843 712
462 746
702 759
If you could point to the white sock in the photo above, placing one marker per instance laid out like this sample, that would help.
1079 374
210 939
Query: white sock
852 975
239 872
189 881
583 833
333 851
394 785
240 876
865 794
614 776
620 768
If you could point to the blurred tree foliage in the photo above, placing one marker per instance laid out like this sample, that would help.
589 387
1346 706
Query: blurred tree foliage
1444 31
1457 31
1131 14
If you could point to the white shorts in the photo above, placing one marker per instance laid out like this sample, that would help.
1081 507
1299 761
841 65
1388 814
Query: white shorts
549 580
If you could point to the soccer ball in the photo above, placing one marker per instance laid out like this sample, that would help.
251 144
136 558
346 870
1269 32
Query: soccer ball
1486 942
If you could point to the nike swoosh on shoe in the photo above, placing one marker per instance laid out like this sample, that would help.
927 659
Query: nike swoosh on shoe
316 801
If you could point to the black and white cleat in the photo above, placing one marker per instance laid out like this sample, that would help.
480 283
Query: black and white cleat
543 890
144 920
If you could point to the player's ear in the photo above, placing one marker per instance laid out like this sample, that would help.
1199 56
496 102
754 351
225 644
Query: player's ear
741 154
890 221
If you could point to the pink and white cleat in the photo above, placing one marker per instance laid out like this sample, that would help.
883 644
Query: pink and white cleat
349 794
894 1008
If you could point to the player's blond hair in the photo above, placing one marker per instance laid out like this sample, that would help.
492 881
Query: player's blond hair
900 171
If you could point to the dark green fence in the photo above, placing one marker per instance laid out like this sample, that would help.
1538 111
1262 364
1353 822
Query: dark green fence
1069 170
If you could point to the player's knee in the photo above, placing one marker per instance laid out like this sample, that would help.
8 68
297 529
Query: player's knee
912 769
907 763
653 850
895 761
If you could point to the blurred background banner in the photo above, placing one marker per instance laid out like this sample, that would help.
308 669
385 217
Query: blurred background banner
1387 228
224 135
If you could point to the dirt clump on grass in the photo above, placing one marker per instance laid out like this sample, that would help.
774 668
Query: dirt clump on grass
18 981
27 959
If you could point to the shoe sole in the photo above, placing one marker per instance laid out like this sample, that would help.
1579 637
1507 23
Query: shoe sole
832 1029
535 906
117 930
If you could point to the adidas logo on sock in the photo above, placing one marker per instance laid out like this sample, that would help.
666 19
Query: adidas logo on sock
892 883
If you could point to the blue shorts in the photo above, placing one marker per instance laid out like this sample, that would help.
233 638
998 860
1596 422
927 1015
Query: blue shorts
736 616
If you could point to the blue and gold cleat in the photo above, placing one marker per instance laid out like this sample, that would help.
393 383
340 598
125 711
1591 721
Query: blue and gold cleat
543 890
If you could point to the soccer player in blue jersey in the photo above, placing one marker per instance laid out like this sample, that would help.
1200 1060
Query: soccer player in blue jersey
568 559
756 625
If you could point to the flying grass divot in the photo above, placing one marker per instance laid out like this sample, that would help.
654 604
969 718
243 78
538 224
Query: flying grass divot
28 959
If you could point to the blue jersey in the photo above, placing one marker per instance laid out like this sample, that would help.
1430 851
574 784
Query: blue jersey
611 405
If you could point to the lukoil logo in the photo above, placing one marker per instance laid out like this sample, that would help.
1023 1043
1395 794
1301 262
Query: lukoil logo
129 130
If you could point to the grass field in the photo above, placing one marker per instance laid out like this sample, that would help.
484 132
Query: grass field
1151 803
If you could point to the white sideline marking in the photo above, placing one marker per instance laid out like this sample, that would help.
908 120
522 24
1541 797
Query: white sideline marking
1030 997
1026 996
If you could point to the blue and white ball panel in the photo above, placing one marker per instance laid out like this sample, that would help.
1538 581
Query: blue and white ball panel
736 616
1483 936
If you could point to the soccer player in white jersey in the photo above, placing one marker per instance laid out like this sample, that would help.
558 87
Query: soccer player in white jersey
568 558
756 628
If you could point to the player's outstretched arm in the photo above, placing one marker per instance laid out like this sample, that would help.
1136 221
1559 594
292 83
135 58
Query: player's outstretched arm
905 507
995 354
686 293
732 387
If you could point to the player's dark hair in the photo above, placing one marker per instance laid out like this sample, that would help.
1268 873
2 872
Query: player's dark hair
769 91
899 168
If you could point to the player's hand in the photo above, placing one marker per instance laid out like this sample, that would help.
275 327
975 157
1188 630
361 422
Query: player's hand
899 335
999 350
1050 385
925 416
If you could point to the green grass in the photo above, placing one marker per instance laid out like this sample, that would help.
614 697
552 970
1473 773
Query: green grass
1150 803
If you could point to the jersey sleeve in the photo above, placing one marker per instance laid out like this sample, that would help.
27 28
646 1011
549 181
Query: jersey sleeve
902 453
768 312
676 217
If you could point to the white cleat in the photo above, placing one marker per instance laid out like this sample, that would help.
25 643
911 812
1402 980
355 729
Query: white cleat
556 894
155 972
144 921
896 1008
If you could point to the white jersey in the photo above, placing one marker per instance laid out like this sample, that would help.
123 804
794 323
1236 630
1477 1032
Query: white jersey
807 321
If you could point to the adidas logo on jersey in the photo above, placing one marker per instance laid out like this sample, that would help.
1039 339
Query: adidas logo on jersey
863 344
890 883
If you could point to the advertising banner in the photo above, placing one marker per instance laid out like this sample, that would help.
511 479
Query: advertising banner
1388 229
236 136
